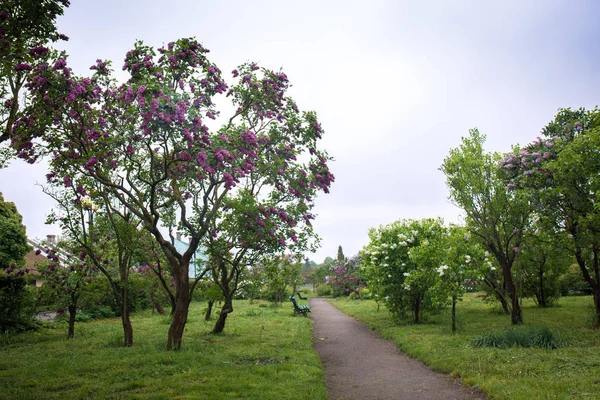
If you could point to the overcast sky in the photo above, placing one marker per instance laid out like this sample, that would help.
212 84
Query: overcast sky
395 84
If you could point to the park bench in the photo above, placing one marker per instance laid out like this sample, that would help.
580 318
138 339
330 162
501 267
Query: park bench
304 310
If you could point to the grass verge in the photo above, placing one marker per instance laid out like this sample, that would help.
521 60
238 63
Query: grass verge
571 371
264 353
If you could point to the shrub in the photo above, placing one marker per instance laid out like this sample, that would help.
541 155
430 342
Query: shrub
323 290
540 337
17 305
572 283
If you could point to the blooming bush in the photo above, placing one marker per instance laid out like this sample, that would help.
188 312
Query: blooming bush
401 265
347 277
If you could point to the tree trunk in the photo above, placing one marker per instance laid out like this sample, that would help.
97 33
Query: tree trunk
516 317
417 311
159 308
125 320
498 294
594 283
542 299
209 310
453 313
597 305
182 305
225 310
72 314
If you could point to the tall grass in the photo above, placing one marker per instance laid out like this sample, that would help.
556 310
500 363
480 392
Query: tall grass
264 353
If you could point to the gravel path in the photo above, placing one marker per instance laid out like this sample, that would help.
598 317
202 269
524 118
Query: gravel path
360 365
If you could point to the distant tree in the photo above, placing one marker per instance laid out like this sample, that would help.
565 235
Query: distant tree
347 278
495 216
281 272
13 237
15 310
341 258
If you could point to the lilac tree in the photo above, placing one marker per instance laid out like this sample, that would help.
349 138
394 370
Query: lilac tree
559 174
465 261
66 276
401 262
25 27
347 277
148 143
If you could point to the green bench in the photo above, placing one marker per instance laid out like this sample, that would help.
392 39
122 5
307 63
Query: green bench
304 310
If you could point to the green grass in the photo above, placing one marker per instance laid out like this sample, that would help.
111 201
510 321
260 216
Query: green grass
264 353
571 371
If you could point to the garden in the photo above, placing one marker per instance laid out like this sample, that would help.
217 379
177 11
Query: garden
185 227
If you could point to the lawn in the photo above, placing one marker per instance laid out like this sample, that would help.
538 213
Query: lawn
569 372
264 353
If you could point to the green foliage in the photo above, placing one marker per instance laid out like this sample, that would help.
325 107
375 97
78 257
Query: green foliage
543 258
559 174
540 337
323 290
17 305
280 274
572 282
495 216
13 237
401 266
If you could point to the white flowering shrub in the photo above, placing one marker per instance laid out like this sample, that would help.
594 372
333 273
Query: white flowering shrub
401 265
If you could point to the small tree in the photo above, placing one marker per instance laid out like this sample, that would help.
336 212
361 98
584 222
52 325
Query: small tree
465 262
401 262
66 276
281 272
544 257
495 216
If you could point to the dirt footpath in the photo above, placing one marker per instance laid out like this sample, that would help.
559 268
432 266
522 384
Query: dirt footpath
360 365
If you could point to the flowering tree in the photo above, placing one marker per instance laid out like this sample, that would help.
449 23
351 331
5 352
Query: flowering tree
559 174
25 26
66 276
401 262
347 277
147 142
464 261
495 216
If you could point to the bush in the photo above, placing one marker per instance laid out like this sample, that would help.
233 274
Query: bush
17 305
572 283
540 337
323 290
